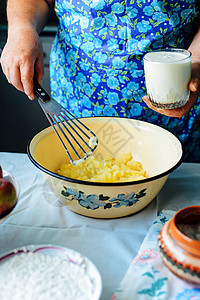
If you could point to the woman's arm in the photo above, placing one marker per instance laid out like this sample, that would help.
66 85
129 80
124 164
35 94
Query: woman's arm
22 57
194 84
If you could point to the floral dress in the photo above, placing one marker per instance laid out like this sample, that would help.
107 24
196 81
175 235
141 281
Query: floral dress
96 62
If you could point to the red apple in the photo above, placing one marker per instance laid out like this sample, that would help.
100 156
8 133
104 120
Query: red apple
1 172
8 197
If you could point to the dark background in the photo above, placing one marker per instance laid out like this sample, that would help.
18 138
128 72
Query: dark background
20 118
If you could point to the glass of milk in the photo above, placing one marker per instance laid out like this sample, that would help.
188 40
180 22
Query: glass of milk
167 75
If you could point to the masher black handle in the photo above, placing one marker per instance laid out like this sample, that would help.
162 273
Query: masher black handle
40 93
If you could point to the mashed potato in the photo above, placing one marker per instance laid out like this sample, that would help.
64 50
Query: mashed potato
107 170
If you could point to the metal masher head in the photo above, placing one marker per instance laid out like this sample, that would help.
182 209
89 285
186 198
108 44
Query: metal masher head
78 140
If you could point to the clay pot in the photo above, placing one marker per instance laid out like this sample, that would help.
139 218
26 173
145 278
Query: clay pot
179 252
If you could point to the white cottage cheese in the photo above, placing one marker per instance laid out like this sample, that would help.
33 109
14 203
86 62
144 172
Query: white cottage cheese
31 276
93 141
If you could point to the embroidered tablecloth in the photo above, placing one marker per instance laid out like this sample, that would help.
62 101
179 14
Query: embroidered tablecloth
148 278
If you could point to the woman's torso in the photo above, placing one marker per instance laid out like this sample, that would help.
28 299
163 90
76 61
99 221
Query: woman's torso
97 58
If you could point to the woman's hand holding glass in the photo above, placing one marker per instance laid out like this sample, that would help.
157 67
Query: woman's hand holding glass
194 87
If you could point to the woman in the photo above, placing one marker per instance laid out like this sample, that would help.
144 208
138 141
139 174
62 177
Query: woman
96 64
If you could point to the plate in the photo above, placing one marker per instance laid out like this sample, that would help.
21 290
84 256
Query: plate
85 271
8 176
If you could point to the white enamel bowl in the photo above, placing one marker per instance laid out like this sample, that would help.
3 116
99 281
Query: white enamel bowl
159 151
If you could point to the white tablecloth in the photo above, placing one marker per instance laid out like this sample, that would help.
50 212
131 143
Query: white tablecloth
110 244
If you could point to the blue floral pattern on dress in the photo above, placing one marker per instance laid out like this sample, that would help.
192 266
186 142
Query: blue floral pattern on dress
96 63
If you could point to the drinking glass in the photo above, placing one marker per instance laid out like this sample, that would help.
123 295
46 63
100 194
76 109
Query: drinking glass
167 75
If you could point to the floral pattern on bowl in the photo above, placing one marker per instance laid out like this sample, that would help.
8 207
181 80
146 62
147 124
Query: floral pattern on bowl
101 201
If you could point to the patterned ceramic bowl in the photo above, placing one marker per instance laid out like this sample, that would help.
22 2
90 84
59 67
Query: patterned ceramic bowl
159 151
179 244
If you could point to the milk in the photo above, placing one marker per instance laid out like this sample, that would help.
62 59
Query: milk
167 74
